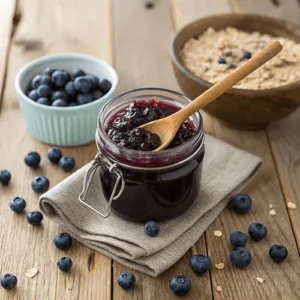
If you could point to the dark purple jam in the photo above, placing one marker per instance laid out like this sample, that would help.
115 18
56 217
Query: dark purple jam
123 127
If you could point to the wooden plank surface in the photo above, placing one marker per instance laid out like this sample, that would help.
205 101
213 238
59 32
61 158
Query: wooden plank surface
47 27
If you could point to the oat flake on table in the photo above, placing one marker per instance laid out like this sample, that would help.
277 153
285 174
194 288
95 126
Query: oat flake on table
217 233
220 266
32 272
291 205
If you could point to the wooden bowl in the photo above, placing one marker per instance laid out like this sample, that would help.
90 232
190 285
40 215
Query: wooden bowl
242 108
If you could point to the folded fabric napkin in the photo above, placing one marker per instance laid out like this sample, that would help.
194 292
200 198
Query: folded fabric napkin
226 170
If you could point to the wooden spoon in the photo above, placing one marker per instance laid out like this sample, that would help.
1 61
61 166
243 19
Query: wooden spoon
167 128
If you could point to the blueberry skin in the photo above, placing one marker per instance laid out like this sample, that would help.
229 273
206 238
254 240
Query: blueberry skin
73 104
241 203
97 94
44 91
8 281
5 177
70 89
77 72
278 253
59 103
54 155
180 285
82 84
35 82
240 257
48 71
64 264
222 61
93 79
32 159
59 95
151 228
200 264
67 163
63 241
257 231
44 101
33 95
35 218
126 280
84 99
46 80
17 204
59 78
104 85
238 239
40 184
247 55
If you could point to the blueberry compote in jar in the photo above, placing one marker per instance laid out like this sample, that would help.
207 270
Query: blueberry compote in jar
158 185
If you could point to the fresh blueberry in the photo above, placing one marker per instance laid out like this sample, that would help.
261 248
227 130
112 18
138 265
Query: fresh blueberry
44 91
46 80
278 253
5 177
151 228
64 264
180 285
104 85
70 89
247 55
35 218
59 95
54 155
84 99
97 94
32 159
17 204
44 101
241 203
200 264
73 104
82 84
67 163
48 71
40 184
63 241
240 257
93 79
33 95
59 103
257 231
35 82
77 73
8 281
238 239
59 78
126 280
222 61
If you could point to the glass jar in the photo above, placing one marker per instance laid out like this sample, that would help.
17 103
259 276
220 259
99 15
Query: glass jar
150 185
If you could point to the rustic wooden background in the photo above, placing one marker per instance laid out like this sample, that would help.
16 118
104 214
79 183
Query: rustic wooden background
136 41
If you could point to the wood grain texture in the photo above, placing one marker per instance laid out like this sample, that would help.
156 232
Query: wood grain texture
47 27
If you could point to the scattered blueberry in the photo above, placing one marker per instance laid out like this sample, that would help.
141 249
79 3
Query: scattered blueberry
238 239
54 155
33 95
93 79
126 280
35 218
48 71
32 159
151 228
104 85
200 264
82 84
35 82
59 95
180 285
97 94
73 104
240 257
241 203
59 78
45 79
17 204
247 55
222 61
84 99
44 101
67 163
59 103
70 89
40 184
8 281
5 177
44 91
278 253
77 73
257 231
63 241
64 264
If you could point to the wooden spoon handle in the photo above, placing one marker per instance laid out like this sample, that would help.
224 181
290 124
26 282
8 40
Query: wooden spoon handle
230 80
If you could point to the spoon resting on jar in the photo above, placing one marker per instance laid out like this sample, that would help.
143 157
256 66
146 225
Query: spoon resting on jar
166 128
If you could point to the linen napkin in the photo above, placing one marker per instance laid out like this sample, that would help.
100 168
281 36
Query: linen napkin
226 170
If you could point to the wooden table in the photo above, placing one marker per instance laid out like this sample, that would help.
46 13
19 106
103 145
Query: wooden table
136 41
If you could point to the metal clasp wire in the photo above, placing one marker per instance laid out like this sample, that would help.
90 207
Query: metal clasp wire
112 168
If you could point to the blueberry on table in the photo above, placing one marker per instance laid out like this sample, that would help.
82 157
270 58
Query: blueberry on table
82 84
5 177
46 80
77 72
33 95
240 257
238 239
278 253
35 218
44 91
84 99
54 155
180 285
32 159
59 103
59 95
73 104
222 61
48 71
63 241
17 204
151 228
257 231
241 203
200 264
67 163
44 101
104 85
8 281
97 94
93 79
64 264
59 78
35 82
40 184
126 280
247 55
70 89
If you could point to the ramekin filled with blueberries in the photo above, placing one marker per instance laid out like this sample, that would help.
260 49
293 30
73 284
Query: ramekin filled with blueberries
61 95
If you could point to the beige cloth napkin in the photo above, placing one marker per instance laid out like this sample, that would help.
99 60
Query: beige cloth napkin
226 170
